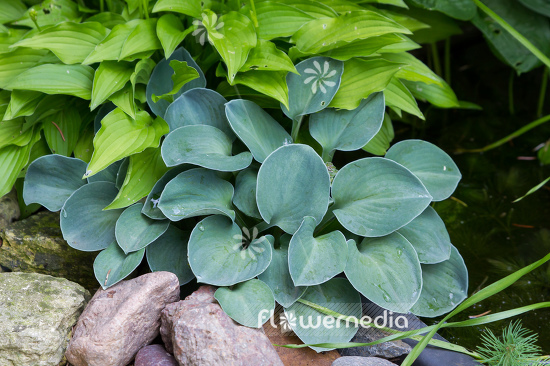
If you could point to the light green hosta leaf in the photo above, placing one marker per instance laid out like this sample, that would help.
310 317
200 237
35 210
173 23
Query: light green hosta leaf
112 265
11 10
266 57
62 131
386 271
108 19
399 3
277 275
240 91
144 170
439 26
458 9
85 146
270 83
440 96
22 103
315 86
205 146
256 128
244 197
276 19
56 79
406 45
376 196
14 63
10 37
445 286
348 130
313 261
142 39
169 253
13 133
233 40
71 42
51 179
285 194
325 34
120 136
161 81
124 99
428 236
380 143
13 159
362 78
199 106
363 47
50 12
135 231
398 96
188 7
248 303
217 256
311 7
196 192
108 174
84 224
110 77
170 32
414 69
150 207
430 164
182 75
47 107
312 326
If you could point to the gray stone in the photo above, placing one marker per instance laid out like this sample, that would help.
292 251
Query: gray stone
391 349
199 333
154 355
37 313
121 320
9 209
36 245
361 361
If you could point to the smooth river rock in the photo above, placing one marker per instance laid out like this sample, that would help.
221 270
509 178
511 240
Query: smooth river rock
362 361
154 355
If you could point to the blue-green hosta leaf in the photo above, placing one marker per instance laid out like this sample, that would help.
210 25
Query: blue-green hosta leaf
70 42
445 286
313 89
233 36
121 136
14 63
183 74
269 83
277 275
62 131
265 56
170 32
110 77
245 192
398 96
241 91
109 174
189 7
11 10
196 192
22 103
380 143
247 303
313 261
348 130
256 128
458 9
135 231
217 255
430 164
428 236
169 253
199 106
386 270
204 146
144 169
327 33
161 80
376 196
13 159
314 327
277 19
286 194
74 80
361 78
150 206
51 179
121 174
84 224
112 265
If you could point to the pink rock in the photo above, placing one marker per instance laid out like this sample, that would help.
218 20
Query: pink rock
121 320
199 333
154 355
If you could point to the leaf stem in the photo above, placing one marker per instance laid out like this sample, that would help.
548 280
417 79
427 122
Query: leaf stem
542 94
448 60
435 56
296 128
511 93
253 14
327 155
101 6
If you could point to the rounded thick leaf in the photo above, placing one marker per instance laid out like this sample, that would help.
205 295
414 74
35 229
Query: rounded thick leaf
293 182
51 179
445 286
217 255
312 326
429 237
313 261
245 192
204 146
199 106
112 265
376 196
277 275
134 231
437 171
84 224
150 207
348 130
315 86
196 192
248 303
161 81
256 128
169 253
386 271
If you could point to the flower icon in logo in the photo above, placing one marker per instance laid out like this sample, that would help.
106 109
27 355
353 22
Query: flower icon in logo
249 244
288 321
320 76
202 28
